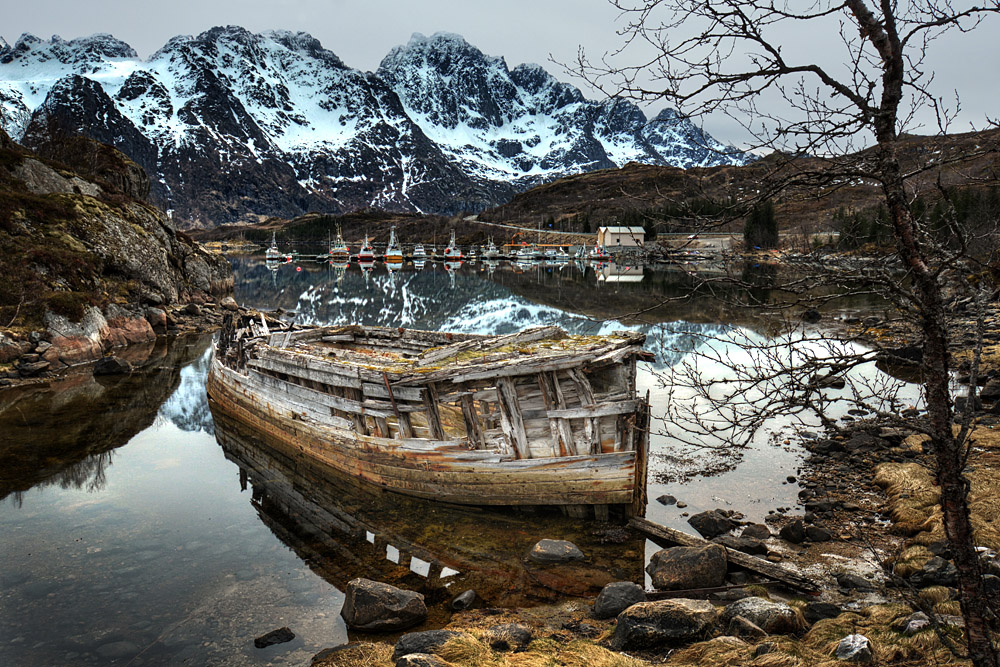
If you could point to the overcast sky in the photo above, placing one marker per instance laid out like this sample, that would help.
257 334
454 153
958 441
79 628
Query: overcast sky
361 32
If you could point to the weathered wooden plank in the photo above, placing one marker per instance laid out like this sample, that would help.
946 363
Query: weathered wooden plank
340 378
472 428
399 392
745 561
405 426
565 428
590 426
338 338
433 415
510 409
530 367
592 411
322 398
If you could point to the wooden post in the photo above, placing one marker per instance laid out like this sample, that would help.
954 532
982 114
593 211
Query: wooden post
433 416
510 410
405 426
558 447
472 422
640 442
590 425
359 420
565 429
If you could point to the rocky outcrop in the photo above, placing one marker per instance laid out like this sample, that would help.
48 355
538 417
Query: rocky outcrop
87 265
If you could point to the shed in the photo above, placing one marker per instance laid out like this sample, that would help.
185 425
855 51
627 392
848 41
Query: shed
621 237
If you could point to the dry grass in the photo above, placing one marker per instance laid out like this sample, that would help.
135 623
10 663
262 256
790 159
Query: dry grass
358 655
913 496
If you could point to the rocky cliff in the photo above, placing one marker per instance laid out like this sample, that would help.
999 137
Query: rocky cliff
235 126
86 264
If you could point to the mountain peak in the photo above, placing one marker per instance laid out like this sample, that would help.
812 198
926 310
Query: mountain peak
94 48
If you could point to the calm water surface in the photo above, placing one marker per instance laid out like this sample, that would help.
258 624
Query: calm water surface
137 530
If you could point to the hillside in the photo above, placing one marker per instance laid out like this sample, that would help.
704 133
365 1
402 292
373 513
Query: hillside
87 264
611 196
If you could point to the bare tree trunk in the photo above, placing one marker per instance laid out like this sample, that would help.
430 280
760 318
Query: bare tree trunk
948 451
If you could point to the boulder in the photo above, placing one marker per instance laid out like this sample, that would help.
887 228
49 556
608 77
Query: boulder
31 369
555 551
817 611
508 638
229 303
756 531
711 523
854 648
616 598
774 618
667 500
853 581
430 641
794 532
376 607
679 568
990 391
279 636
11 349
648 625
157 319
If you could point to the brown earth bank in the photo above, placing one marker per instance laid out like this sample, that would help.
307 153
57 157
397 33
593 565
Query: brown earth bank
87 265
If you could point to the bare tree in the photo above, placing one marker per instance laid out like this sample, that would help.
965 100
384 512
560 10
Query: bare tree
732 56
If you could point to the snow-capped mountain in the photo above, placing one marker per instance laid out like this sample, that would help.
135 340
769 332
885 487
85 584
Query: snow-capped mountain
232 125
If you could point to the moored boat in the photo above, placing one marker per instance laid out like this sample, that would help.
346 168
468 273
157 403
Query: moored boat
491 251
366 253
452 252
393 253
339 250
272 253
536 418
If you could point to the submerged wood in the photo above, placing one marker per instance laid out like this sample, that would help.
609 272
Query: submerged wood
533 418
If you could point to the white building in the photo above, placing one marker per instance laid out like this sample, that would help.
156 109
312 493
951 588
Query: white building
621 237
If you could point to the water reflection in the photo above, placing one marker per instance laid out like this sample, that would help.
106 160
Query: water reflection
344 531
64 433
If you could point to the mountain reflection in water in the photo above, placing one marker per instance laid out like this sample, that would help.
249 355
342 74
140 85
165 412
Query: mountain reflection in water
344 531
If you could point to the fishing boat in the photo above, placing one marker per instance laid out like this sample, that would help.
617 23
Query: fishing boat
491 251
339 251
536 418
419 254
272 253
452 252
366 253
393 253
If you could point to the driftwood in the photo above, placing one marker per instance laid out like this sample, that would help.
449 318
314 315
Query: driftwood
745 561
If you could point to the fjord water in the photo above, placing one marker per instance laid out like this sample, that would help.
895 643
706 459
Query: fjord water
138 530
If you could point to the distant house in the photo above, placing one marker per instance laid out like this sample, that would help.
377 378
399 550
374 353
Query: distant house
621 237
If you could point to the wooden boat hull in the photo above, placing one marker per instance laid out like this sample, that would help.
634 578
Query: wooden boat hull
441 470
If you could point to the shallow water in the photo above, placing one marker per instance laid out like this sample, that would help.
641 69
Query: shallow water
137 530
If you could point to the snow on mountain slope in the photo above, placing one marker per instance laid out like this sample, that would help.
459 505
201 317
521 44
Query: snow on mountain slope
235 125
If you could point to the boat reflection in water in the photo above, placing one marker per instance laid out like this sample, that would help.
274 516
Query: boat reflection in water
343 531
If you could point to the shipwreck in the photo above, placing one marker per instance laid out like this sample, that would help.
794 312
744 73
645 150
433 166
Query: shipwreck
535 418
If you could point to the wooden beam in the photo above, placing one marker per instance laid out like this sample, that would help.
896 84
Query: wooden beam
738 558
591 427
565 428
433 416
592 411
472 428
510 410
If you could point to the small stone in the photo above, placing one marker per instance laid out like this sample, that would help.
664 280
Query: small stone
33 369
817 611
192 309
854 648
711 523
741 627
681 504
817 534
853 581
429 641
666 500
43 347
555 551
509 638
464 601
279 636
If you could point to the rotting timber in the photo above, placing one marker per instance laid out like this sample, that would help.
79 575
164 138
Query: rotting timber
536 418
